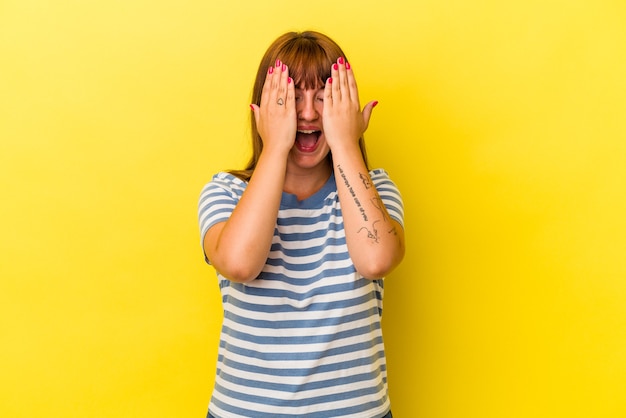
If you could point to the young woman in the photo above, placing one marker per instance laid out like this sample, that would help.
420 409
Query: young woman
301 240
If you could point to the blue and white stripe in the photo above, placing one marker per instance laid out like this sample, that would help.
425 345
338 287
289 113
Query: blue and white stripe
304 339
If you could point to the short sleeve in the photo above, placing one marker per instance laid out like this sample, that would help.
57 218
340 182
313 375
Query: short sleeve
217 201
389 194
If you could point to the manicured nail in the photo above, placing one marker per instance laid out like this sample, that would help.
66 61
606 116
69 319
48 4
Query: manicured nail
252 107
347 65
374 104
284 67
335 67
330 80
278 63
289 80
340 60
271 70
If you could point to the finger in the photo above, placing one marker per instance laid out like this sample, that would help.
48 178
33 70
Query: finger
281 97
291 92
343 79
328 94
255 112
267 87
367 112
270 88
336 82
276 73
354 91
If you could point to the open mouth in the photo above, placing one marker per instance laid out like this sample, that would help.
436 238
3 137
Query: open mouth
306 140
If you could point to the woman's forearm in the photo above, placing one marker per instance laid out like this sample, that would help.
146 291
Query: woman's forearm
375 241
238 248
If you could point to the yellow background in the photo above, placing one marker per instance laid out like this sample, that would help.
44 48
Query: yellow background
503 123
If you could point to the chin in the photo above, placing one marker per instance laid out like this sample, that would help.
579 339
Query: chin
310 161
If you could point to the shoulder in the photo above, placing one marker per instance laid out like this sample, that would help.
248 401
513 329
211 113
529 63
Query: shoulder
227 179
381 178
225 182
218 199
378 173
389 193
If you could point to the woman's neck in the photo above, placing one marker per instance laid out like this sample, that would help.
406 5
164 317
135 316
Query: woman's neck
306 183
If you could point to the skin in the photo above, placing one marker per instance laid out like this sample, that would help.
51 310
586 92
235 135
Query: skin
238 248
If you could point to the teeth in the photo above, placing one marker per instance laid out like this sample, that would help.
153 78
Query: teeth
306 132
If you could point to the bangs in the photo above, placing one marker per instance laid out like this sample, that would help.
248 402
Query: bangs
309 64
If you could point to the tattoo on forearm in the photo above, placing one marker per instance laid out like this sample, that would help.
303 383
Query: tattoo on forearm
366 180
371 231
378 204
371 234
353 194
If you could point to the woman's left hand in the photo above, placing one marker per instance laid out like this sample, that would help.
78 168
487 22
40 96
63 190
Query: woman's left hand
344 121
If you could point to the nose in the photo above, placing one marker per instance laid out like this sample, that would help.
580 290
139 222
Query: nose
306 108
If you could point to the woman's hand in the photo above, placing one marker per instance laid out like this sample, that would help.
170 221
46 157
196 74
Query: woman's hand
344 122
276 116
238 247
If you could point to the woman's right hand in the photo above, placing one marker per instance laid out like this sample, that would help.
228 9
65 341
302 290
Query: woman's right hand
238 247
276 116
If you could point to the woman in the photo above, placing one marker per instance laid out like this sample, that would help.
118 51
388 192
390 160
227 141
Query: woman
301 240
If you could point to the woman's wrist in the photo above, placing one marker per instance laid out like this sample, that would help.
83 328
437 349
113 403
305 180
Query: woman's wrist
343 149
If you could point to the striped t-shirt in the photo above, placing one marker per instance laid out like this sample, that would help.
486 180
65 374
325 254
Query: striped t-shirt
304 338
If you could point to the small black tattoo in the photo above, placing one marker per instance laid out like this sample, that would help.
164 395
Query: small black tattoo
353 194
373 234
366 180
378 204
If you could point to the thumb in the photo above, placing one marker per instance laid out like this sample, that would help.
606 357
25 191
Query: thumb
255 110
367 111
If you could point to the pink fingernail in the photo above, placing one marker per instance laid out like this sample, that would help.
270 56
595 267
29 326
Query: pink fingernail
374 104
330 80
271 70
289 80
347 65
284 67
340 60
335 67
252 107
278 63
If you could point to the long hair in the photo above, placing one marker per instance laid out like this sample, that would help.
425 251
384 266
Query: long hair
309 56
